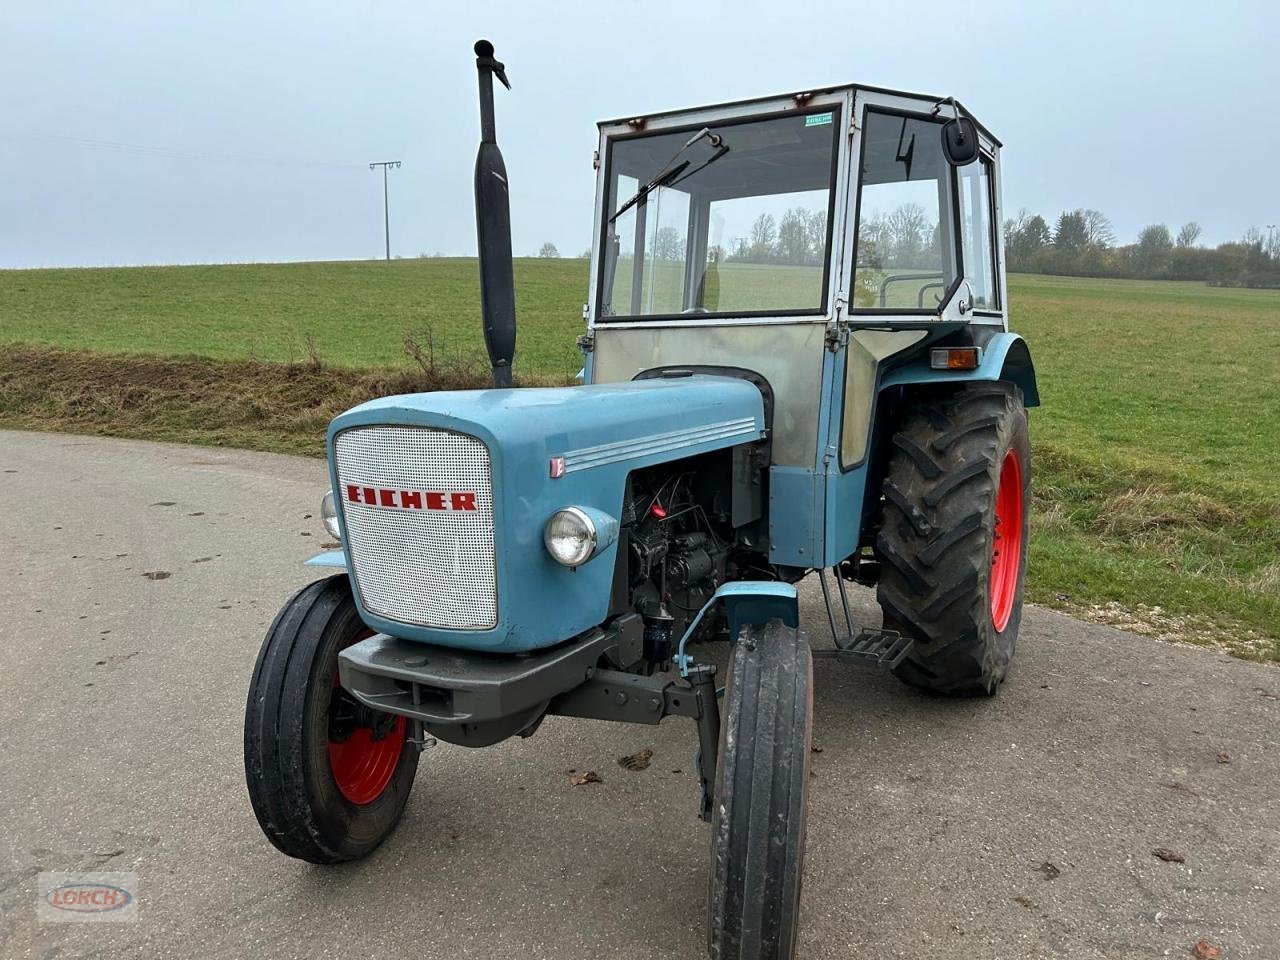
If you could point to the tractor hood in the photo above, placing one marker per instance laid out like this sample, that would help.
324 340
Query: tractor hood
443 497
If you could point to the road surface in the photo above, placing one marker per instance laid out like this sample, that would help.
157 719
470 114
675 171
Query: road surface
139 579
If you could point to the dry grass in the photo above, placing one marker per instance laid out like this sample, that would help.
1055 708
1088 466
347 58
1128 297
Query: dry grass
244 403
1155 511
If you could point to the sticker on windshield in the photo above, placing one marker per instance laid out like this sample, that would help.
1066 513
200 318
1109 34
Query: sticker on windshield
817 119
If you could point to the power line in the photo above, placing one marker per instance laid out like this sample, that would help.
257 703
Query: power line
171 153
386 215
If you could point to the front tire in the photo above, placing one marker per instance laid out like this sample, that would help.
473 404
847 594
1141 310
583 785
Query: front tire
328 779
761 796
953 541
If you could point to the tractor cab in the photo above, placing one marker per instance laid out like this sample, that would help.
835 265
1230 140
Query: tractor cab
821 241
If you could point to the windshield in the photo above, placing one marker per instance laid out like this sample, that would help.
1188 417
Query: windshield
730 220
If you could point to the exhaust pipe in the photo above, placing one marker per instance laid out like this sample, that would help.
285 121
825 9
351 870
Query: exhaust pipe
493 227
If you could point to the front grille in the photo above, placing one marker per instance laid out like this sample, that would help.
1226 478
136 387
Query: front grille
419 555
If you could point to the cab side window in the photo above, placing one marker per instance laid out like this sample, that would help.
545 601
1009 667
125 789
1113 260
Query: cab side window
978 237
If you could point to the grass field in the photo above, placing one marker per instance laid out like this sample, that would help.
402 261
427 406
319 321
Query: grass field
1157 449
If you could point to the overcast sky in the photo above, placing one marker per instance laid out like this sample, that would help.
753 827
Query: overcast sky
145 133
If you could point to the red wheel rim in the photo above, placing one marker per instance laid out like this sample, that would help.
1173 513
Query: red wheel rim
362 766
1006 541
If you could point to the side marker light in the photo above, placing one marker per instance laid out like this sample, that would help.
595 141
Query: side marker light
955 358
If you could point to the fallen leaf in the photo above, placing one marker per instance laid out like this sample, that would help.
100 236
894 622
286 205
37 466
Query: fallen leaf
815 749
1224 757
1168 856
589 776
202 559
636 761
157 574
165 503
1204 950
1050 870
1024 902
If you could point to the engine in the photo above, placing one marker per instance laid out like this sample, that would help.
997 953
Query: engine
679 542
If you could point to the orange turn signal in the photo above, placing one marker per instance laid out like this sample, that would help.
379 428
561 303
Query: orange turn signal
955 358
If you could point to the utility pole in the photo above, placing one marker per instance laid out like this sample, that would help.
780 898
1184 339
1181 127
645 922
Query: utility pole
386 215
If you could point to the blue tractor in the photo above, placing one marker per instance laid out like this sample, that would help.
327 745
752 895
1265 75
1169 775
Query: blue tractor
797 364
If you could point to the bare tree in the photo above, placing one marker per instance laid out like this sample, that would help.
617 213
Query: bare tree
763 231
1189 234
1098 231
793 236
668 244
816 221
1153 252
909 226
548 251
1014 226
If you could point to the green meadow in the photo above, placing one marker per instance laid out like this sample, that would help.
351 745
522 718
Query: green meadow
1157 449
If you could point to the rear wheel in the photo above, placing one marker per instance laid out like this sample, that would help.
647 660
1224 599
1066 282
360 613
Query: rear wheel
328 777
953 541
761 796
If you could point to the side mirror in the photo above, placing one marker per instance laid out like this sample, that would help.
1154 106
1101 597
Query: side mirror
960 141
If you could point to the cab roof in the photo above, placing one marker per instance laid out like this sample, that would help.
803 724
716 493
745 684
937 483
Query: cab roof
800 97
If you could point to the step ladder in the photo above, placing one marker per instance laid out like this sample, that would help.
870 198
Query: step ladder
879 648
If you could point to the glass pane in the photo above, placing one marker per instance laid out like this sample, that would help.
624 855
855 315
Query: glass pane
979 251
766 251
737 223
659 230
906 252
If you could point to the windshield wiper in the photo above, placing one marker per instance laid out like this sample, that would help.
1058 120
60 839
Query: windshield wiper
661 180
672 172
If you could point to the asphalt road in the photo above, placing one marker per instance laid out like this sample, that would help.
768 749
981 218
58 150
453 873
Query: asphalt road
1021 827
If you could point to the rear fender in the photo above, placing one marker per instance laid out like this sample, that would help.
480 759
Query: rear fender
1005 356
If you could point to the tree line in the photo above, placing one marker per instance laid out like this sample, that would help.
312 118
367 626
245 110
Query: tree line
799 237
1082 243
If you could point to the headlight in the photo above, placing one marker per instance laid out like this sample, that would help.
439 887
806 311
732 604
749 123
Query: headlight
329 514
570 537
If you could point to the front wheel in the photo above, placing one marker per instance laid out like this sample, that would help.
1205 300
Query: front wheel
761 796
328 777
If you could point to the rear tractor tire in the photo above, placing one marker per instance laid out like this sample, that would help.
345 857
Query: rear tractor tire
328 778
953 541
761 796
